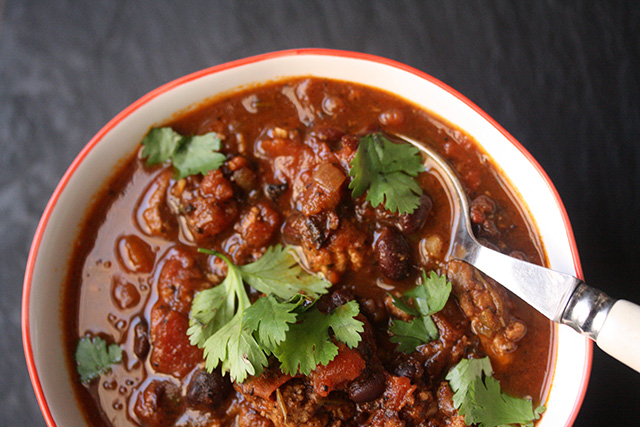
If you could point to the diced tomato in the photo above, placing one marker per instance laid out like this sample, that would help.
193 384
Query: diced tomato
264 385
345 367
172 352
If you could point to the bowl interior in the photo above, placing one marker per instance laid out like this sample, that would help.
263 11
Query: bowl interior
46 269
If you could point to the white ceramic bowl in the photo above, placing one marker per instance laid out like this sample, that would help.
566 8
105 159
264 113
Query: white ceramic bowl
58 228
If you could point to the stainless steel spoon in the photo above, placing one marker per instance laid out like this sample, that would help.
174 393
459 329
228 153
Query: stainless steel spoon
614 325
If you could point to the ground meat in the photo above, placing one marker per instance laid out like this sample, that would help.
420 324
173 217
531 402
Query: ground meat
445 404
297 405
257 225
486 305
205 205
343 248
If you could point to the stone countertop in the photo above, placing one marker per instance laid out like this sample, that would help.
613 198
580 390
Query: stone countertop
563 78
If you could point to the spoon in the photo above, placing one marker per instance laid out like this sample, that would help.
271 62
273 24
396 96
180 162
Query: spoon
613 324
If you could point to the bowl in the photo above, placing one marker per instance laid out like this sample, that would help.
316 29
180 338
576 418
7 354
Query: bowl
64 214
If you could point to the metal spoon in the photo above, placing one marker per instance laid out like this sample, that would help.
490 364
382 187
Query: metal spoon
614 325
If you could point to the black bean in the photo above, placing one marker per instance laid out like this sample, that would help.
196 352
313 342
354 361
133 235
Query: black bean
375 310
366 387
392 252
141 339
410 223
274 191
208 389
335 299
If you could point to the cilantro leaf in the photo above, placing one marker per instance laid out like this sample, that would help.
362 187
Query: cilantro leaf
277 272
429 297
216 325
308 344
190 155
211 309
409 335
387 170
238 336
198 154
235 349
270 320
478 397
93 357
432 294
159 145
462 376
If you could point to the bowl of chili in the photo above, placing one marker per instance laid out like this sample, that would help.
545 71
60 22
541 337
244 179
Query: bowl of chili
301 169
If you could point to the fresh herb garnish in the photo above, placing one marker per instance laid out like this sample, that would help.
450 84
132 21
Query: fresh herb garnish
239 336
190 155
93 357
388 171
308 344
428 298
478 397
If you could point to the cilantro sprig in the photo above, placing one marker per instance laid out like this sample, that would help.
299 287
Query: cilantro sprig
94 357
386 172
190 155
239 336
478 397
429 297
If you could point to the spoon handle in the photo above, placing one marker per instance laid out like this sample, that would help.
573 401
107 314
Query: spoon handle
620 333
614 325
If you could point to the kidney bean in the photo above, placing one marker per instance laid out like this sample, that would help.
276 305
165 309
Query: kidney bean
141 344
366 387
410 223
209 389
159 404
392 252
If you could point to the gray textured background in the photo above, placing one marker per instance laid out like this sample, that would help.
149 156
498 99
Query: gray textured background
562 77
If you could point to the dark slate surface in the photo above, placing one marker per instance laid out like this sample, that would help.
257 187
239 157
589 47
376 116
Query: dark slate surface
563 78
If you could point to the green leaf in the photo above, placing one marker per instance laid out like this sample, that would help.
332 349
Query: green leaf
210 310
462 376
478 397
308 343
159 145
431 294
278 272
197 154
237 335
270 320
93 357
409 335
344 325
429 297
388 171
190 155
236 350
